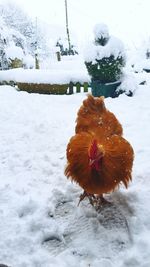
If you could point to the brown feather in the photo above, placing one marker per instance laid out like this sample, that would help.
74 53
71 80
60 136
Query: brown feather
93 116
116 164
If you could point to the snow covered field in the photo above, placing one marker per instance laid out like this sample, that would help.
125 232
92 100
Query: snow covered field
40 223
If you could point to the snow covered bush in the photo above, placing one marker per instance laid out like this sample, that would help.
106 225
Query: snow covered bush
15 56
105 57
62 43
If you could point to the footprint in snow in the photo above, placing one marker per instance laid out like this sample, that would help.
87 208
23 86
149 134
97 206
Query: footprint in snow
106 228
27 208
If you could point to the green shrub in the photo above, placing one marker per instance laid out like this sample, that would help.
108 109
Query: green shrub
105 58
106 70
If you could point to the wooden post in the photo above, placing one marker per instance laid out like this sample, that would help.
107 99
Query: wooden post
58 56
71 88
67 27
36 47
37 66
85 86
78 86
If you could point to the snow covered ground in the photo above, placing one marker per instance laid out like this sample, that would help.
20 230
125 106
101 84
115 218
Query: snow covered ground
40 223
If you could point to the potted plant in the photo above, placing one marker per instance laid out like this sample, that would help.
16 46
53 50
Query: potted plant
104 60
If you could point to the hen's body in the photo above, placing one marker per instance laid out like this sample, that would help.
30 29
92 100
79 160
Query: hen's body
99 158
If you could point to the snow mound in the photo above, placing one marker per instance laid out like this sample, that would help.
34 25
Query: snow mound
13 52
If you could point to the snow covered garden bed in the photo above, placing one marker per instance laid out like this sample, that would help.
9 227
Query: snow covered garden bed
57 74
52 81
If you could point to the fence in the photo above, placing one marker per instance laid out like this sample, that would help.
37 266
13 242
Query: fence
78 88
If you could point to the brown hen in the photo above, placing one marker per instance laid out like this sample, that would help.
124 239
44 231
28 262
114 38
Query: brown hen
99 158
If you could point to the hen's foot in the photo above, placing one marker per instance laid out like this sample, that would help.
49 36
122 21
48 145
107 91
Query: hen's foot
91 198
97 201
100 201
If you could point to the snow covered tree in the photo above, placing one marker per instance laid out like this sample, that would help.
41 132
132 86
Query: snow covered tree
3 44
25 32
15 47
16 18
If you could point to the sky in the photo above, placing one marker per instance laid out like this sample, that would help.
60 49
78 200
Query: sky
129 20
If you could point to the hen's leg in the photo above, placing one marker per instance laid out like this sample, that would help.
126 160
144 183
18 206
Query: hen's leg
91 197
100 201
96 201
82 196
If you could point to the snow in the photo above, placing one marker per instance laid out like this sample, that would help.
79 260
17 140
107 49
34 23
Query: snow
62 72
13 52
101 30
29 61
114 47
41 224
45 76
129 81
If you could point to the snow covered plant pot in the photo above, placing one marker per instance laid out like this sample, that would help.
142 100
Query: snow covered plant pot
104 60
